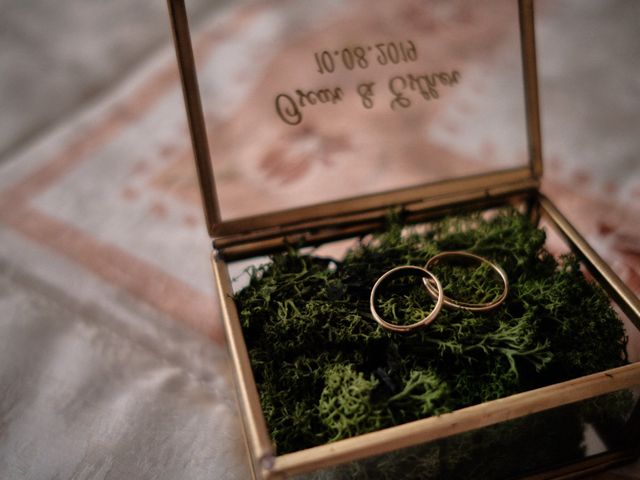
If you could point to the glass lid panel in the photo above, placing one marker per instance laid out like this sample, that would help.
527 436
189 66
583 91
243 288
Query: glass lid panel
308 102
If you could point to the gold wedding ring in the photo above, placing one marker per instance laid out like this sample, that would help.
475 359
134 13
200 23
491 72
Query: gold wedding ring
408 270
473 307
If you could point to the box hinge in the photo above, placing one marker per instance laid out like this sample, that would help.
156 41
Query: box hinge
318 231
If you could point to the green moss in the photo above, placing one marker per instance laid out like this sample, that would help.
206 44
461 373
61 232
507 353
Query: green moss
325 370
345 405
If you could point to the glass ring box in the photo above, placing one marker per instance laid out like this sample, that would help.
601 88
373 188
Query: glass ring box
349 137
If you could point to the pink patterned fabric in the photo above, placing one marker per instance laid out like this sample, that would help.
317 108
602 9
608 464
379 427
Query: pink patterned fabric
111 346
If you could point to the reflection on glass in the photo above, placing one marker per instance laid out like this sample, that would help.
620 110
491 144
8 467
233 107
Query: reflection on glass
315 101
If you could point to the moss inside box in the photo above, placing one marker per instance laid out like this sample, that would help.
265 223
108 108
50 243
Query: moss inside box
325 370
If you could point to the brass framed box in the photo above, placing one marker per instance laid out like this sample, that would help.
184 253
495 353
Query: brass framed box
246 236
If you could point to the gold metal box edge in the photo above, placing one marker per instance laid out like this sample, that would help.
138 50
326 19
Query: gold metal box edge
248 236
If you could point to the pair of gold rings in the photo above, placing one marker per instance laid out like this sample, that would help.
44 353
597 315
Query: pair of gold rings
435 290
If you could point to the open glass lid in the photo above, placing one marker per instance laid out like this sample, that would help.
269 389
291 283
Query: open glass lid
312 103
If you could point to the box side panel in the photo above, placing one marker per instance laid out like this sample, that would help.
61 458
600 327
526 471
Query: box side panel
560 442
478 416
253 420
623 296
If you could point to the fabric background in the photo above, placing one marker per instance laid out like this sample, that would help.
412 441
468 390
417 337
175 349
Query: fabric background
112 358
